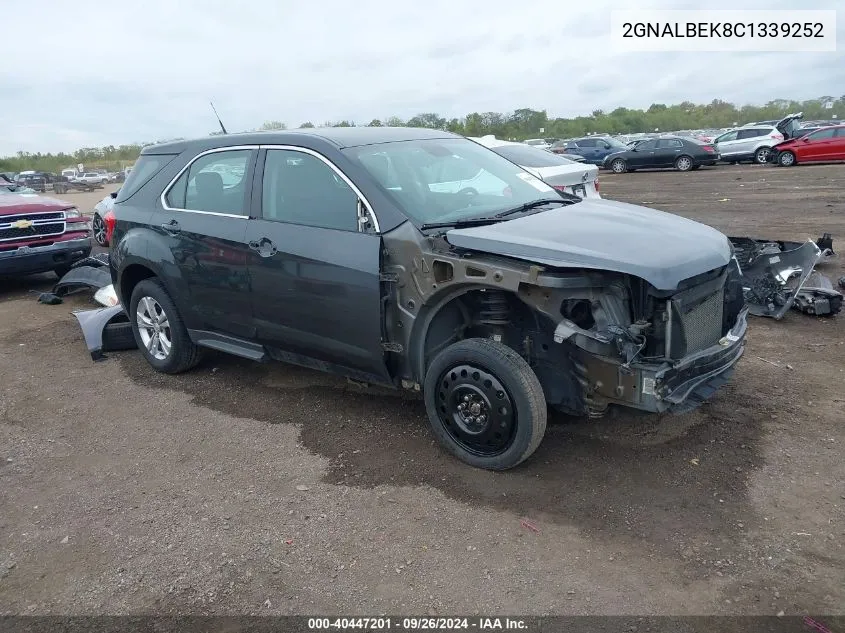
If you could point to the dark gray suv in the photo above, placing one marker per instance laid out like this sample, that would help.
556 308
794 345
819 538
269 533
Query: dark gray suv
422 260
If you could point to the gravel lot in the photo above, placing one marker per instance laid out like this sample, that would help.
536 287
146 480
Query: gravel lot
269 489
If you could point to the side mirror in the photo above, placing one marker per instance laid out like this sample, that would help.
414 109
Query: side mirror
805 139
113 194
606 146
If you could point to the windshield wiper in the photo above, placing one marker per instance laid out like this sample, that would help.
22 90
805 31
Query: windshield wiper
459 223
531 205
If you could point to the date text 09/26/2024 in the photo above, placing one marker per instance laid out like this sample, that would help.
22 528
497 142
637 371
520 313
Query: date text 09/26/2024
416 624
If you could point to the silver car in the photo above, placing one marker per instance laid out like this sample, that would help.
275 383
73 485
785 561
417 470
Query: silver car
754 141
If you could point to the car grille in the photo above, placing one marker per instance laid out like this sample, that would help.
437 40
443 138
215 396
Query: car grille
702 325
696 317
42 225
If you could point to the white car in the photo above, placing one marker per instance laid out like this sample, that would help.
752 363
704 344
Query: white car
537 142
561 173
92 178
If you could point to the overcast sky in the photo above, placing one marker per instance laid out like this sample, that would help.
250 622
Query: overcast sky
99 73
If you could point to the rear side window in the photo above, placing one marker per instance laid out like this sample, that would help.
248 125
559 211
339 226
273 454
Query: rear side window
840 132
530 156
587 142
752 133
147 166
670 142
215 183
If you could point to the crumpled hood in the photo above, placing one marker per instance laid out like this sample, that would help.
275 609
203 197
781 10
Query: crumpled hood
662 248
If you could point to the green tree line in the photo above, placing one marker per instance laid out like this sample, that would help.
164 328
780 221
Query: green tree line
520 124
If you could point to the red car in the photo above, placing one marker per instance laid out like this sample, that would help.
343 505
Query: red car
39 234
824 145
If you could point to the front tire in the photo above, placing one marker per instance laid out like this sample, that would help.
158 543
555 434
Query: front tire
485 404
683 163
786 159
159 330
618 166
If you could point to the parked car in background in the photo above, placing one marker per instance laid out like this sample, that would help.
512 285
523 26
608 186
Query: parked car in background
69 173
98 218
340 249
594 149
825 144
678 152
37 180
91 178
754 141
559 172
39 234
538 142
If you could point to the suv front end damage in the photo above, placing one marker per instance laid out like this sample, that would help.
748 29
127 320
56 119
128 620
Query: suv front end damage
592 337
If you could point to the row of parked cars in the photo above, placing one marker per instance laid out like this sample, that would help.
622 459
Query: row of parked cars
61 183
783 142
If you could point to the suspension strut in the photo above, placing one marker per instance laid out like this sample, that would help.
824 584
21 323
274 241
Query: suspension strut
494 308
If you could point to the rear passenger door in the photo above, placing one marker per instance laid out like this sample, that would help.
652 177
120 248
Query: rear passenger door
203 220
746 141
316 291
668 150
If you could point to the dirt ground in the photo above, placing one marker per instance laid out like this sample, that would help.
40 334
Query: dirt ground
270 489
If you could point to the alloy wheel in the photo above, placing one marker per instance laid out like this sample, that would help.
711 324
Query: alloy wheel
683 163
154 328
617 166
99 228
476 410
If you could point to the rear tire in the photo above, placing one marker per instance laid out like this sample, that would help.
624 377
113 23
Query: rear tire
163 339
786 159
761 156
683 163
99 228
485 404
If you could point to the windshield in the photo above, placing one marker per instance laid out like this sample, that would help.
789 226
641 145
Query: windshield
531 156
446 180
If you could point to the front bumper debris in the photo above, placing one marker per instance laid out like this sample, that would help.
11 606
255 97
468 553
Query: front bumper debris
105 330
775 276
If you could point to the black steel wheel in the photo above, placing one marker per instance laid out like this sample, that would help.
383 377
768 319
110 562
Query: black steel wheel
485 404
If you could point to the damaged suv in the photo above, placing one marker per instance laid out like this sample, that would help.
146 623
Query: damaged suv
420 259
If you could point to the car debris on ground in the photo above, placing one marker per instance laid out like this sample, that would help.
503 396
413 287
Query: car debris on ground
778 275
105 329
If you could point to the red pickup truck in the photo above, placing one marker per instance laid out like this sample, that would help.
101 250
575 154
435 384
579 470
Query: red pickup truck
39 234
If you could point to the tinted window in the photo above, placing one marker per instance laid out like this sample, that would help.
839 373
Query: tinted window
530 156
821 134
215 182
752 133
147 166
670 142
301 189
587 142
646 145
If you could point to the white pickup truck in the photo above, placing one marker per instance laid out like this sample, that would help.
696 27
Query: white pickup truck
91 178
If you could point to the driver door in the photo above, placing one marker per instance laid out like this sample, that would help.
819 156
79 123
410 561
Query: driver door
643 154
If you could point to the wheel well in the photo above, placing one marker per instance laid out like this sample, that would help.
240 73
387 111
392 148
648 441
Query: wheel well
472 314
131 277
